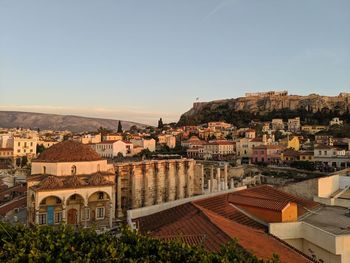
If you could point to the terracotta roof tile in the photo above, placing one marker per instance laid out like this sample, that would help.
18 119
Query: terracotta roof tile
259 243
272 194
68 151
261 203
206 222
221 206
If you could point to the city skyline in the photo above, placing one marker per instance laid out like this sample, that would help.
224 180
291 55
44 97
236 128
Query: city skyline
141 61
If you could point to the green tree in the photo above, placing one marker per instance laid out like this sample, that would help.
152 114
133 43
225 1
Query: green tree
40 148
160 124
24 161
66 244
18 162
120 127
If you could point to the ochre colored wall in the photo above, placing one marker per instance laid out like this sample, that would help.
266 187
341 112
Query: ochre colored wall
289 214
268 216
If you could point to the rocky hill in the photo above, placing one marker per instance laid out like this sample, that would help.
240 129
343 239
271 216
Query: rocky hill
263 104
10 119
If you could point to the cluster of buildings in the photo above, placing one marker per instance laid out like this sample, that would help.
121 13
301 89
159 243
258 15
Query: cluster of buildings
259 145
76 179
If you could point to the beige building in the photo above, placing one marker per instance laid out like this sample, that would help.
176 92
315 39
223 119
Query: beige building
47 143
113 137
24 147
6 153
323 233
110 149
245 146
219 125
313 129
70 183
91 138
218 148
149 144
147 183
168 140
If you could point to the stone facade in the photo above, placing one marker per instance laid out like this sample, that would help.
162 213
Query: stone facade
151 182
70 183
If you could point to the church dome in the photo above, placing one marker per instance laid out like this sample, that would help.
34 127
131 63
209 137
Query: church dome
69 151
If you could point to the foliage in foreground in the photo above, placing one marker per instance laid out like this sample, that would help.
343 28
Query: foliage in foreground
63 244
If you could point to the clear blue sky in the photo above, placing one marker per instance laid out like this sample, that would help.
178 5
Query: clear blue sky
141 60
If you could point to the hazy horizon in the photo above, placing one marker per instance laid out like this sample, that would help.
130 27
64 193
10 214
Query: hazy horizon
142 60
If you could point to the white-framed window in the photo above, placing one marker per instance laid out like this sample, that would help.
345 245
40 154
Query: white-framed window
58 217
85 214
42 218
100 212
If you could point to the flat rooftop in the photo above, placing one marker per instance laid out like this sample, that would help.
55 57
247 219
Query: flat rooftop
333 219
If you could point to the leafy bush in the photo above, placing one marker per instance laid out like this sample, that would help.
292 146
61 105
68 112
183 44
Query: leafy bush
64 244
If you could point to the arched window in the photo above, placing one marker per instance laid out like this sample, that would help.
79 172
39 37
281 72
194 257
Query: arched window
44 169
74 170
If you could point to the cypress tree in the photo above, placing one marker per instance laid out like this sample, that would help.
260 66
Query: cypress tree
120 128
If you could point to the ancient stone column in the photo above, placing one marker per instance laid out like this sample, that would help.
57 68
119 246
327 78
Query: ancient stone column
85 215
160 181
190 178
150 187
211 179
171 181
202 178
119 195
146 177
37 216
225 177
110 215
137 178
218 179
232 184
133 188
181 180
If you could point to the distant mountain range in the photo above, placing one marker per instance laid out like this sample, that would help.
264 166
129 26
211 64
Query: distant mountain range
11 119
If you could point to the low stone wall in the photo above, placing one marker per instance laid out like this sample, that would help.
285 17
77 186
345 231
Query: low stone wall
306 189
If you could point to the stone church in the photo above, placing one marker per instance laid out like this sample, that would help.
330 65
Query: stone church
70 183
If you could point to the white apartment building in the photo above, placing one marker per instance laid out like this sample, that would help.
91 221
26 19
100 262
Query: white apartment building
331 156
91 138
24 147
218 149
110 149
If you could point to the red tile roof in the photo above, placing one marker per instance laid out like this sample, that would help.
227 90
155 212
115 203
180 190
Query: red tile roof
68 151
257 242
206 222
180 221
265 194
261 203
221 206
